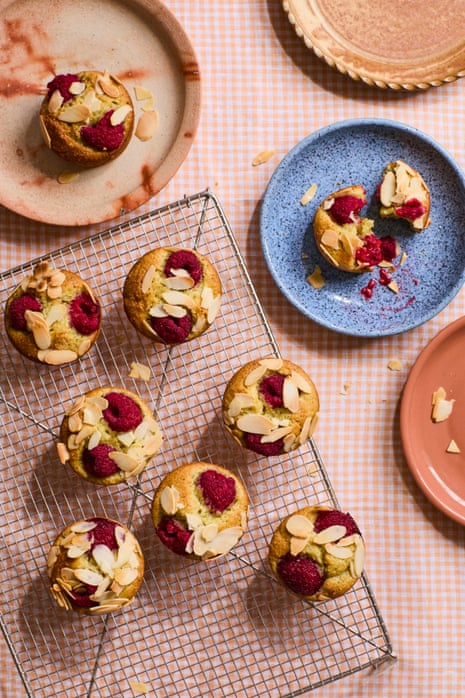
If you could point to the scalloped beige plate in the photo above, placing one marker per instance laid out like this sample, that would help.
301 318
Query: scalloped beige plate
138 40
398 44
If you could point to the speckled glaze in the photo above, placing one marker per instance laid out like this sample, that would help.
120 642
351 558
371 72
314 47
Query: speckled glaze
140 42
355 152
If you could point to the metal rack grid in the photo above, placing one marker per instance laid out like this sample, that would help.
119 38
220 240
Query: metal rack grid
223 628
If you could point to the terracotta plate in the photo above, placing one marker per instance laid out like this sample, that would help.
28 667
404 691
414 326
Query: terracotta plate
391 44
441 475
139 41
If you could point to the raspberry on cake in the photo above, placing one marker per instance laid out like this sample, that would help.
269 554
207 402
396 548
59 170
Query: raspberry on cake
87 118
108 435
347 240
52 317
270 406
200 510
317 552
95 566
404 194
172 295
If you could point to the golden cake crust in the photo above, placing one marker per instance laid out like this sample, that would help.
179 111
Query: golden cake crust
49 335
84 427
245 410
401 184
61 121
74 564
338 242
149 293
179 498
340 557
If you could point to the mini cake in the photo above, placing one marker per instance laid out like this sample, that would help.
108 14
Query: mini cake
172 295
404 194
347 240
87 118
95 566
108 435
317 552
53 316
270 406
200 510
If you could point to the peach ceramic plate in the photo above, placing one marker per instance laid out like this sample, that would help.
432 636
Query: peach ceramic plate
142 43
440 474
394 44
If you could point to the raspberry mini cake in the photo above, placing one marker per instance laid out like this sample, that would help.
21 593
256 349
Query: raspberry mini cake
404 194
87 118
108 435
317 552
270 406
52 317
95 566
347 240
200 510
172 295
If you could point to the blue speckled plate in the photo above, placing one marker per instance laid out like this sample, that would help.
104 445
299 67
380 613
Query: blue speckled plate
355 152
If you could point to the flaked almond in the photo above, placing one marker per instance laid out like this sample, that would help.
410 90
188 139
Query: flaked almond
255 424
120 114
309 195
139 687
225 540
330 534
290 395
299 526
55 102
108 86
255 375
67 176
275 435
179 283
123 461
301 382
297 545
359 560
178 298
452 447
393 286
316 279
158 311
341 552
263 157
76 87
142 93
174 310
75 422
213 309
330 238
169 500
139 370
147 125
442 408
44 132
274 364
84 346
240 402
75 114
63 453
388 188
148 279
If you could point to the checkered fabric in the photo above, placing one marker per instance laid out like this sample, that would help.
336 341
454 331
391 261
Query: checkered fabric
262 89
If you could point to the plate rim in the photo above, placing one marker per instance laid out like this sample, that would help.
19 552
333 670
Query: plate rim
159 176
333 60
407 398
365 122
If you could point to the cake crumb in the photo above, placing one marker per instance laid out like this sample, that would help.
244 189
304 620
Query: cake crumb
316 279
395 365
139 687
452 447
309 194
139 370
263 157
442 408
345 388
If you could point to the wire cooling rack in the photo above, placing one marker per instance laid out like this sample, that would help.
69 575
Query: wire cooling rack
223 628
